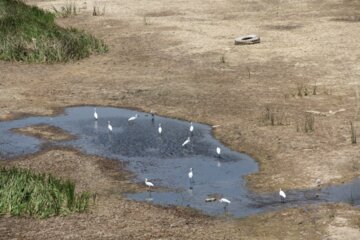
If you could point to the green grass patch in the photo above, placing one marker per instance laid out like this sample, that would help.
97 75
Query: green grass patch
24 193
29 34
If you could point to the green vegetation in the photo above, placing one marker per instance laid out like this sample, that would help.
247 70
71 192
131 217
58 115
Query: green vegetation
30 34
23 193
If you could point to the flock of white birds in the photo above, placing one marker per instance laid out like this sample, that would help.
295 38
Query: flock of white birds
224 201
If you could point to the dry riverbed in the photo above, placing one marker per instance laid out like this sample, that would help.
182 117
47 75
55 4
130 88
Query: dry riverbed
179 60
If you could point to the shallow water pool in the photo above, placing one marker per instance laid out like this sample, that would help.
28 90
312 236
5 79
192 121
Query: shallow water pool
165 162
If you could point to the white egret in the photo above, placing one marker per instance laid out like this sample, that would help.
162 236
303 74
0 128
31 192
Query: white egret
133 118
149 184
282 195
210 199
225 201
95 115
218 151
160 128
190 174
109 126
191 127
186 142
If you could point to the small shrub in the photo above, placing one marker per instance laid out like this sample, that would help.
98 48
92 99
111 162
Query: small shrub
249 72
302 90
314 89
275 117
309 122
66 11
269 115
82 202
353 133
222 59
298 129
98 10
145 21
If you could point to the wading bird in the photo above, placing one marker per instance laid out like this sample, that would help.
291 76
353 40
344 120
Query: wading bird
318 182
218 151
109 127
186 142
133 118
190 174
225 201
149 184
282 195
95 115
160 128
191 128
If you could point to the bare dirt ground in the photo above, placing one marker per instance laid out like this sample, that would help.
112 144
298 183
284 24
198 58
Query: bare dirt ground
178 59
45 132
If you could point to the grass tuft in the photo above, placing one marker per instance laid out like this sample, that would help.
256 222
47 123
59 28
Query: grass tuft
353 133
23 193
98 10
222 58
275 116
309 125
30 34
145 21
66 11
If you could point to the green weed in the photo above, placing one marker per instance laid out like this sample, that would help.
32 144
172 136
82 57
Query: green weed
23 193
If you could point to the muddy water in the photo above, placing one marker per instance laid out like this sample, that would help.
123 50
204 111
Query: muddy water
165 162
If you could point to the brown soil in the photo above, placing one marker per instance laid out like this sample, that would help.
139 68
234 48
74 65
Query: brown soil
169 58
45 132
